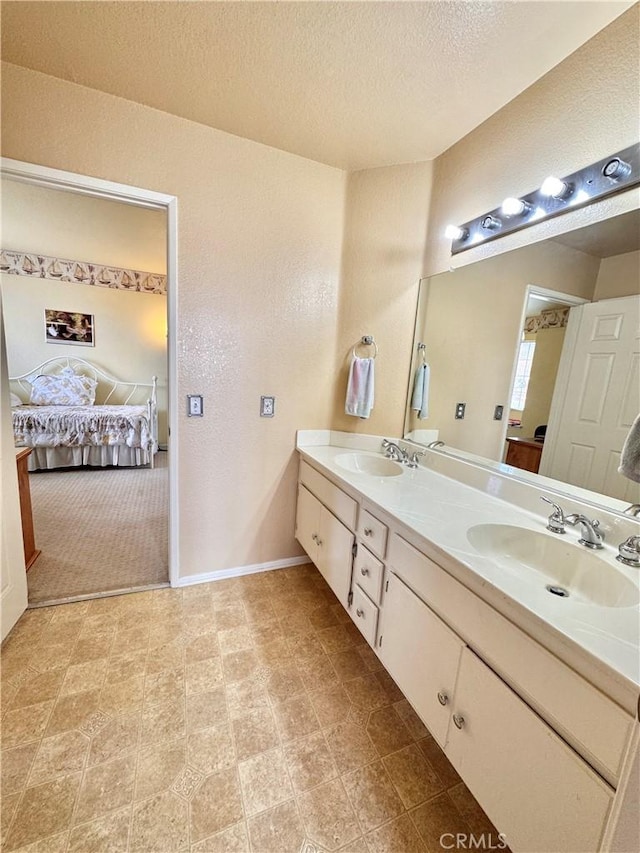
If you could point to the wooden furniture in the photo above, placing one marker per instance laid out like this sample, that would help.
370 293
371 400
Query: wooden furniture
524 453
31 553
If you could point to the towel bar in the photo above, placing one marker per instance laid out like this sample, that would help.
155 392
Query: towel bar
366 340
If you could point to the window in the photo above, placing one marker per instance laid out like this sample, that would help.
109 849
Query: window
523 373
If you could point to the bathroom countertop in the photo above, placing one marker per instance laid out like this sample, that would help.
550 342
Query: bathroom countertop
434 512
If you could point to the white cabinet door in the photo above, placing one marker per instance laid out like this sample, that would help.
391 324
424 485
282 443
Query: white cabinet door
422 655
335 555
308 522
533 787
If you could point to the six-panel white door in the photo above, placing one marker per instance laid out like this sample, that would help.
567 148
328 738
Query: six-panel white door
596 398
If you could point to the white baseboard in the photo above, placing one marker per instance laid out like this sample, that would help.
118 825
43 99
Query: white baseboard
253 569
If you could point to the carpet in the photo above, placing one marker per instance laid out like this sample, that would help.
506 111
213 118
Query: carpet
99 529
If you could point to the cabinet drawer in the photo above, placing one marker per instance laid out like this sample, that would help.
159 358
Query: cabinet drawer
339 503
373 532
559 694
365 614
367 572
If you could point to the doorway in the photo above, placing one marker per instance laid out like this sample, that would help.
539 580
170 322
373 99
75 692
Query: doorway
159 205
542 334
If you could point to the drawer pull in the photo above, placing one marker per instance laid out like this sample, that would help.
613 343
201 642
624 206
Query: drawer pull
368 531
364 572
442 698
458 721
360 612
319 541
315 537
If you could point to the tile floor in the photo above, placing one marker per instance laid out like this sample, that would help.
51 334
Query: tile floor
243 715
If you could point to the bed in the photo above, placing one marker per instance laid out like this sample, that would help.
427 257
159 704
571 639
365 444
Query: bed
71 413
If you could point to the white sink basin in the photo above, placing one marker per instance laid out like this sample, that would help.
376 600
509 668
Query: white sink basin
568 570
362 463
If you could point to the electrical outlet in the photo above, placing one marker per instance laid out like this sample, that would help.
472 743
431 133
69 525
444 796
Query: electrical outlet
460 407
267 407
195 407
498 412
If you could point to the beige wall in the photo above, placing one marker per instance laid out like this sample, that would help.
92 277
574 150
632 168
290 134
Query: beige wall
544 130
259 244
129 328
385 232
82 228
585 108
471 323
618 276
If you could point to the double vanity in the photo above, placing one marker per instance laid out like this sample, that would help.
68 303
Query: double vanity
517 647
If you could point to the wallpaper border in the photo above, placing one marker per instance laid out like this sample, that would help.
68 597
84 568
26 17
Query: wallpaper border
34 265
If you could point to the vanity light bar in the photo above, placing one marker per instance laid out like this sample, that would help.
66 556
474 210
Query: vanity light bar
613 174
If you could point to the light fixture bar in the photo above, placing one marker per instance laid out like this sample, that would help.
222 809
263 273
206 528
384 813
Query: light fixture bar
613 174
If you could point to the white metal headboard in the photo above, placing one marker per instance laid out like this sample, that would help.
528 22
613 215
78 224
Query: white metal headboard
109 385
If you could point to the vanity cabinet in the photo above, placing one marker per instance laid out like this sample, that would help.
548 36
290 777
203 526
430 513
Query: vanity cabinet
533 787
540 747
422 654
327 541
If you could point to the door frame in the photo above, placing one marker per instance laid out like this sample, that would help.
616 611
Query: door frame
32 173
569 300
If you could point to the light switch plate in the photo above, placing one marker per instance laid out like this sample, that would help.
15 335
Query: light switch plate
195 406
498 412
267 407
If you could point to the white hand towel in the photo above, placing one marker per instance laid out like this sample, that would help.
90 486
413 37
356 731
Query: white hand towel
420 399
360 387
630 456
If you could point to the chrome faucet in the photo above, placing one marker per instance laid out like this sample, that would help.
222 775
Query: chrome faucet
394 451
413 460
634 509
436 444
629 552
555 522
591 535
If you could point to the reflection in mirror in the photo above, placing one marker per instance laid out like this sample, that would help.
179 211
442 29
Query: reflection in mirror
548 332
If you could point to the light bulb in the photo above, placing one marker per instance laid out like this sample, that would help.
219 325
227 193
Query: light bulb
554 187
514 206
490 222
454 232
616 169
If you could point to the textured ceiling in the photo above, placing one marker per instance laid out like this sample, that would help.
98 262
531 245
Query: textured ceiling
351 84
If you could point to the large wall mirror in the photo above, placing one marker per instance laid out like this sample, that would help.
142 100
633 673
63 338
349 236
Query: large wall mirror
549 332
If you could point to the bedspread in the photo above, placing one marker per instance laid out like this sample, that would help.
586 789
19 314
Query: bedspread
78 426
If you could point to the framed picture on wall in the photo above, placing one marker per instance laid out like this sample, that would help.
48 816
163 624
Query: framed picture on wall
68 327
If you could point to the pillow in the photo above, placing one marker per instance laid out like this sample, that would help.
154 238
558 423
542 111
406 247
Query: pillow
15 400
66 389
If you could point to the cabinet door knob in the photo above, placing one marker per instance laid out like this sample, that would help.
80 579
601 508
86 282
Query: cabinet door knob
314 537
368 531
319 541
442 698
458 721
360 612
364 572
